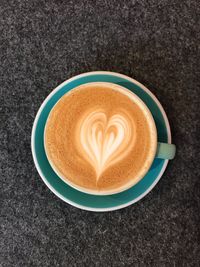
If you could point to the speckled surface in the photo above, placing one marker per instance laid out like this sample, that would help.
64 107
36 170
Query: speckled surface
42 43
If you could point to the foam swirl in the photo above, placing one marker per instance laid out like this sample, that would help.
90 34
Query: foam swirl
105 141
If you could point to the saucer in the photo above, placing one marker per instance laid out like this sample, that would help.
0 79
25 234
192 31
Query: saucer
88 201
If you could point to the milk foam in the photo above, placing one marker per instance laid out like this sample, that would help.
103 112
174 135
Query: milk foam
105 141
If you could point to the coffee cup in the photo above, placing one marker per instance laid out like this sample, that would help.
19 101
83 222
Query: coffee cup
100 138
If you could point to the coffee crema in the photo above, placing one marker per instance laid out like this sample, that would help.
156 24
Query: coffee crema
100 138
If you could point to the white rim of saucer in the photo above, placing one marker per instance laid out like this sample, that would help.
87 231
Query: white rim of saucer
33 141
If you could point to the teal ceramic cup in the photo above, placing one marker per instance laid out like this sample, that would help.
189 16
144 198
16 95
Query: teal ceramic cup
158 150
72 196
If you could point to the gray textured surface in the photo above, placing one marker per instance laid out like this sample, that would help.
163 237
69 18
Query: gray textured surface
42 43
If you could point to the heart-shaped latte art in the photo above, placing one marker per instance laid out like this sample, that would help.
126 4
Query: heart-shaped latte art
106 141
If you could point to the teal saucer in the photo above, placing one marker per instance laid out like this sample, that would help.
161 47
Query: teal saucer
73 196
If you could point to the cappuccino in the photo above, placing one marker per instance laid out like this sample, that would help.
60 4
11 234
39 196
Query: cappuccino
100 138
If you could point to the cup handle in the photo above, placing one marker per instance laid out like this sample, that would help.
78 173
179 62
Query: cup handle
165 151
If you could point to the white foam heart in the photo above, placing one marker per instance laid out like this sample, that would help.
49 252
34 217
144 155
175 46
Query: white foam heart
105 141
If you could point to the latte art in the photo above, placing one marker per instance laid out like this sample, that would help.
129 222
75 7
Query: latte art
105 141
99 138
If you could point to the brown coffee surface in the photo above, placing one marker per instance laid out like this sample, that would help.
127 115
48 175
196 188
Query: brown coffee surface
98 138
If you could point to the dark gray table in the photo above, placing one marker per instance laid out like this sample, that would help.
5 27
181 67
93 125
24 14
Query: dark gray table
42 43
